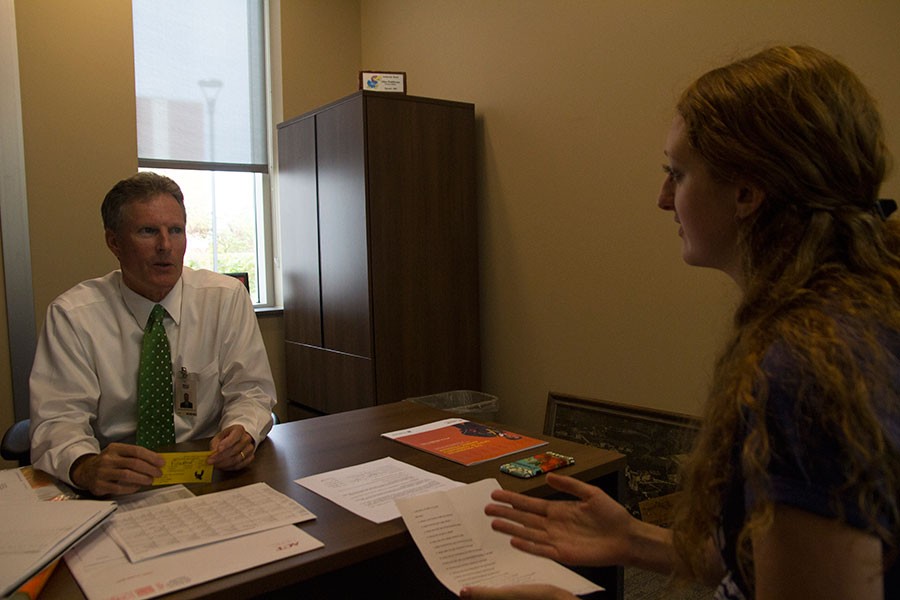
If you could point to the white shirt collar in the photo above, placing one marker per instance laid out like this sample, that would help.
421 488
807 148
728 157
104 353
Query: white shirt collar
140 306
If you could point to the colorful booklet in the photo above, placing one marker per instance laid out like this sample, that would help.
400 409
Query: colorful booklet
465 442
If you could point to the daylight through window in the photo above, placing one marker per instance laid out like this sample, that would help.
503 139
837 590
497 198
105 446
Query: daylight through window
202 119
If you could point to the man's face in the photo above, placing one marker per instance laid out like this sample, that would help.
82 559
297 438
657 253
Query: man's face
150 245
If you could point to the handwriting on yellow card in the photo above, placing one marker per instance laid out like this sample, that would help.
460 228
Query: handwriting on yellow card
185 467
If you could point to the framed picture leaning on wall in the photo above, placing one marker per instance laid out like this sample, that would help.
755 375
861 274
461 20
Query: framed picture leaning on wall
654 443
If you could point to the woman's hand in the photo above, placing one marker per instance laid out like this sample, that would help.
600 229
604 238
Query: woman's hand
593 530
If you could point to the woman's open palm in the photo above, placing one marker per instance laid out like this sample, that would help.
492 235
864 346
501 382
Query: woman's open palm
593 530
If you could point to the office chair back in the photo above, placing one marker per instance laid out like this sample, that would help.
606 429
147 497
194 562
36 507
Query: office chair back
16 444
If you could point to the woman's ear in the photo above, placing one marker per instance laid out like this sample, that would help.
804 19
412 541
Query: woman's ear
749 199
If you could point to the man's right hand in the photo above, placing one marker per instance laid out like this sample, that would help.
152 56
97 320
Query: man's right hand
118 469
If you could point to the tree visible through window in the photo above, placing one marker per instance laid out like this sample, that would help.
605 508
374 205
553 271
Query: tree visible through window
200 81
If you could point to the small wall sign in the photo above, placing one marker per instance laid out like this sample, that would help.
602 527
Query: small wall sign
383 81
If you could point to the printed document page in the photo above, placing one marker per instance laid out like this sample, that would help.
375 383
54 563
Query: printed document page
14 487
155 530
104 572
369 489
456 539
152 497
34 533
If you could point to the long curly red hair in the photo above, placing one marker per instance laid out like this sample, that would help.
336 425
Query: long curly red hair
803 128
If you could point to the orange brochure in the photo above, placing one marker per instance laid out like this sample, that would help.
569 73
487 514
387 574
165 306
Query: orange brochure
464 442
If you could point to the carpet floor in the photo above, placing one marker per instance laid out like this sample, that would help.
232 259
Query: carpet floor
645 585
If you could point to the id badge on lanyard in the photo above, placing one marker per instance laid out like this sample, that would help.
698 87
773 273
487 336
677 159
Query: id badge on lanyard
186 394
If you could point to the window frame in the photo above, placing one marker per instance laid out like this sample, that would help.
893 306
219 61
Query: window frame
269 291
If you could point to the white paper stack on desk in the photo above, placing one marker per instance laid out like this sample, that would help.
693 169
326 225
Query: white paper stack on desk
34 533
248 522
196 521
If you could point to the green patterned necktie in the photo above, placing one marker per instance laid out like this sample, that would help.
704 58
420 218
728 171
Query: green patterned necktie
156 396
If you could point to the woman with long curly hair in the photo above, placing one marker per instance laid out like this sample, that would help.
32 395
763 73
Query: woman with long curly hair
774 165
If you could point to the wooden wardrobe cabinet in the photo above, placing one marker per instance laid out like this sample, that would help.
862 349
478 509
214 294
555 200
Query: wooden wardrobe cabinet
379 262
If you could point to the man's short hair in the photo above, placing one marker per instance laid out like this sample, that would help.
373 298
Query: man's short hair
139 187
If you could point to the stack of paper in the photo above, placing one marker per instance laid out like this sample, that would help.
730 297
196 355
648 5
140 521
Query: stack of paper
191 522
187 540
33 533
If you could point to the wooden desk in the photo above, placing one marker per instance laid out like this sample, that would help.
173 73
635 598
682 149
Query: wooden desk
361 557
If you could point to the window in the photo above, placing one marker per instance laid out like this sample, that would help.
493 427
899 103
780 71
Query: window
202 119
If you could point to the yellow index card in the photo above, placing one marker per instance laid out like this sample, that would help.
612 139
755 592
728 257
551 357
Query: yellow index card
185 467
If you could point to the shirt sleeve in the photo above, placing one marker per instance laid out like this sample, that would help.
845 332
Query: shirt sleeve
248 390
64 392
807 468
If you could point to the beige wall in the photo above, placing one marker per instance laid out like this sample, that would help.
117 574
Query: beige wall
583 288
78 120
320 52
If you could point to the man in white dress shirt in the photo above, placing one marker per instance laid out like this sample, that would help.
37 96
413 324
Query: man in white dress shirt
84 379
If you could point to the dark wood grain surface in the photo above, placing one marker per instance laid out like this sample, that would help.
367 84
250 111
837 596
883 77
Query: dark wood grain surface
301 448
380 251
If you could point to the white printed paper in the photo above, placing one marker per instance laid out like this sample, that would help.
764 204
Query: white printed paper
104 572
34 533
14 487
156 530
152 497
369 489
455 537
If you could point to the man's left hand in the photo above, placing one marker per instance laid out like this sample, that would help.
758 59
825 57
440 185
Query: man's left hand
232 448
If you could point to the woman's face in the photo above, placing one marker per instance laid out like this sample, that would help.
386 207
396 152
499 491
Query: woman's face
707 210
